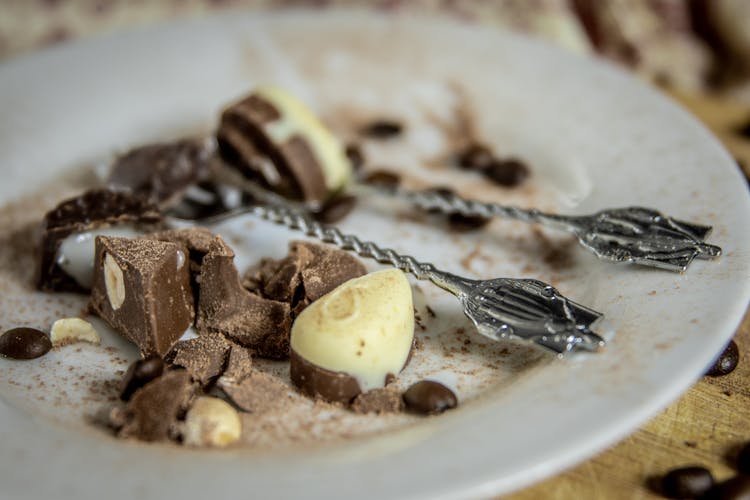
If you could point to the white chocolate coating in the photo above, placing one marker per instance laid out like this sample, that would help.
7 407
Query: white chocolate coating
363 328
297 118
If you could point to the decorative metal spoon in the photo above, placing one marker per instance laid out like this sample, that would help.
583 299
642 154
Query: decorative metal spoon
500 308
633 234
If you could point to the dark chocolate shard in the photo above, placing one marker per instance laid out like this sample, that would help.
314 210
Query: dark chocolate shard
94 209
154 410
142 290
203 357
226 308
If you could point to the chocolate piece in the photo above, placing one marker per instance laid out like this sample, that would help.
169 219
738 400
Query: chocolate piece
257 392
385 400
206 199
335 209
355 337
226 308
95 209
153 411
464 223
307 273
24 343
160 173
429 398
507 173
475 157
355 155
319 382
239 365
743 459
382 178
687 482
382 129
139 374
142 290
203 357
736 488
306 161
726 362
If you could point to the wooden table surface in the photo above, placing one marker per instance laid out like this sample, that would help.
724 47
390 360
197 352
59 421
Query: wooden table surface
707 424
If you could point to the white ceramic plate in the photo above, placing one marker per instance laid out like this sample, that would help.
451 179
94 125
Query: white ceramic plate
595 138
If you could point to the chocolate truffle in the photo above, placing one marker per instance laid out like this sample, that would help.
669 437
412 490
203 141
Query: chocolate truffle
160 173
355 337
77 221
142 290
226 308
273 137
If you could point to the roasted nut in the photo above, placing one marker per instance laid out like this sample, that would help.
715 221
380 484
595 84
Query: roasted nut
114 282
70 330
211 422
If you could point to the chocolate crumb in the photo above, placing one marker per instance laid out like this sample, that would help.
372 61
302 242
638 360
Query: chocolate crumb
385 400
382 129
475 157
203 357
355 155
507 173
465 223
382 178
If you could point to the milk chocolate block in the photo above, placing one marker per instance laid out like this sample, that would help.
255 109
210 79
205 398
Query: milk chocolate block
142 290
227 308
91 211
274 138
160 173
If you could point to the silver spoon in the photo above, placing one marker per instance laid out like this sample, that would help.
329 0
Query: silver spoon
634 234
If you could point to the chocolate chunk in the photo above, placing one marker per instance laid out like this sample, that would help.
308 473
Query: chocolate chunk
203 357
239 365
24 343
726 362
307 273
429 398
139 374
475 157
153 411
160 173
687 482
507 173
142 290
335 209
355 155
316 381
382 129
385 400
226 308
257 392
95 209
245 143
382 178
736 488
743 459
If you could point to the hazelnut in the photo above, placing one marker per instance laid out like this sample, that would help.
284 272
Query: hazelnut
70 330
114 282
211 422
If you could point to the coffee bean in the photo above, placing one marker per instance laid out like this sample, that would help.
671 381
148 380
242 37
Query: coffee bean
382 129
429 398
508 173
475 157
687 482
743 459
382 178
355 155
24 343
336 209
736 488
139 374
465 223
726 362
